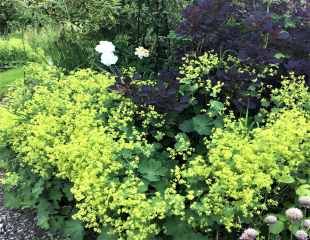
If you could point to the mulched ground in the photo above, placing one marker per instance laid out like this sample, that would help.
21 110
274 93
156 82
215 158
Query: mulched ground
18 224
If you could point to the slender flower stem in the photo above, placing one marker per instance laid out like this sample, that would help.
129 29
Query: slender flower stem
114 69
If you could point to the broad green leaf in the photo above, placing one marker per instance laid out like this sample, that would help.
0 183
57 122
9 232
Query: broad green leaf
187 126
287 179
67 191
38 188
57 223
279 55
216 106
161 185
202 124
74 229
294 227
152 169
143 187
55 194
277 228
11 201
218 123
5 154
303 190
43 211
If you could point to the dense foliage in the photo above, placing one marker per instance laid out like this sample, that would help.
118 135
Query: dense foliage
8 11
257 41
193 134
131 185
83 23
14 52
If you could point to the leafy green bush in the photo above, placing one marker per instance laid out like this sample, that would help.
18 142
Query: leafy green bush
237 177
17 14
82 105
8 12
50 197
134 175
14 52
128 23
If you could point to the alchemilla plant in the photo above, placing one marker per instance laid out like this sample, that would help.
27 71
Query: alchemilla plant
182 126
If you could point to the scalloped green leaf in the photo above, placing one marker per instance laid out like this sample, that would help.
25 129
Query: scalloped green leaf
74 229
277 228
303 190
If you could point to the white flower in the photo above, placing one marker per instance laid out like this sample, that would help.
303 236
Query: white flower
307 224
270 219
249 234
105 47
294 214
304 201
301 235
141 52
108 59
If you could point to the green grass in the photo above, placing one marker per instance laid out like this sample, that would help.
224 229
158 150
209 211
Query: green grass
7 78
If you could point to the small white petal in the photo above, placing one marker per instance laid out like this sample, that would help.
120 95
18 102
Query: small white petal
105 46
141 52
108 59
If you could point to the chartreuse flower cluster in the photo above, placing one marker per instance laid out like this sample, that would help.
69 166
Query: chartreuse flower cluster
73 127
241 168
124 181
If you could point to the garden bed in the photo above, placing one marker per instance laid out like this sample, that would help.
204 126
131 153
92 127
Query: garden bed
156 120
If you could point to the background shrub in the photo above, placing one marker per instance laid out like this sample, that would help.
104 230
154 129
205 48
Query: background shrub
15 52
166 149
8 10
128 24
267 38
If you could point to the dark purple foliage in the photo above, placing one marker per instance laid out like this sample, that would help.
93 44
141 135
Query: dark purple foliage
164 95
256 34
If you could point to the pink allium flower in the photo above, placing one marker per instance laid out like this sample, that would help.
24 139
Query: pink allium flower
301 235
304 201
271 219
294 214
249 234
307 224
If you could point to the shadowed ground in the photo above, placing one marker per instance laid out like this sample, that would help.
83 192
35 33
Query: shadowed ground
18 224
